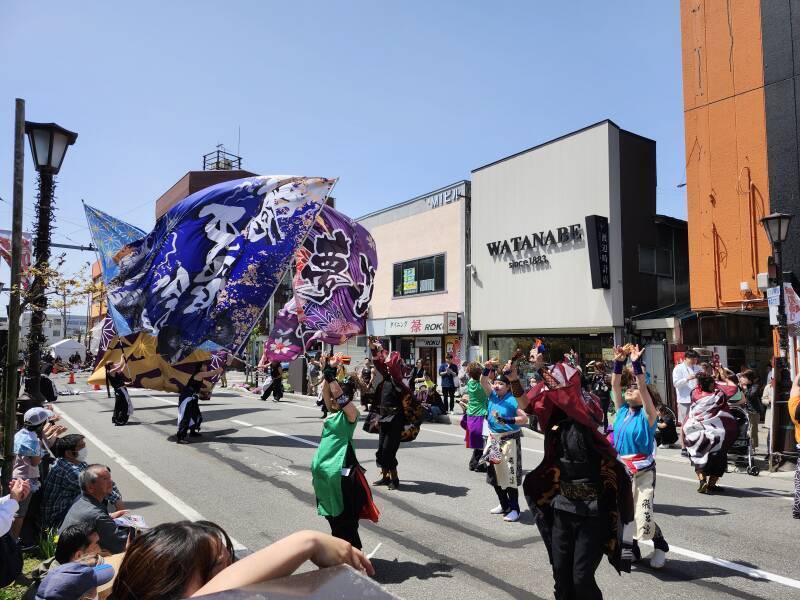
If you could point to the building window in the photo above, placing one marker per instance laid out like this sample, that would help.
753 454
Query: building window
56 333
655 261
419 276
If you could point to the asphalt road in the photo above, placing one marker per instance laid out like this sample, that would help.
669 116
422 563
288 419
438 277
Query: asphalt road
250 473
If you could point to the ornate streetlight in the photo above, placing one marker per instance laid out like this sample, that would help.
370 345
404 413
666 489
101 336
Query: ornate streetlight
49 143
777 227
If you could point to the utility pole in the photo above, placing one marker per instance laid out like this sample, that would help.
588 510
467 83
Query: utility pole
11 391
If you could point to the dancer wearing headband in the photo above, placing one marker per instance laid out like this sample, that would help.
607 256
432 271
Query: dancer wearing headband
343 496
503 447
634 440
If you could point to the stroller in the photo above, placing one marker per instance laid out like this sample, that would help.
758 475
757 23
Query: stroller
742 449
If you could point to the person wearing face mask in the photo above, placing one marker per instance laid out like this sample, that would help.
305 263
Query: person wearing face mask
62 487
28 453
634 440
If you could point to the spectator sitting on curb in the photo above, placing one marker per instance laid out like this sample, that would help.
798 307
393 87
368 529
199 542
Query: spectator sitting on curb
433 404
75 580
10 553
30 447
75 543
62 488
666 431
185 559
89 507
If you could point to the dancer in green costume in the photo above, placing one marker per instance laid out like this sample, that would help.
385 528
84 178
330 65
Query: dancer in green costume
343 495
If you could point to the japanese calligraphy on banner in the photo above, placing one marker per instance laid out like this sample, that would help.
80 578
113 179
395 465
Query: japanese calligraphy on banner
598 245
203 276
792 303
433 324
334 276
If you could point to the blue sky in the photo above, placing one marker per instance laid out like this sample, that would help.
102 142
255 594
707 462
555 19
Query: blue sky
396 99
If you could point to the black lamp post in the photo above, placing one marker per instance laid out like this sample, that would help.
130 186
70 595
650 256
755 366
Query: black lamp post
777 227
49 144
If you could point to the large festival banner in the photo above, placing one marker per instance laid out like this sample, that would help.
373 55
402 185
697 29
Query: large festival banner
334 278
277 214
203 276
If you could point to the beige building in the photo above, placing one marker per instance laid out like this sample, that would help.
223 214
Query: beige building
420 288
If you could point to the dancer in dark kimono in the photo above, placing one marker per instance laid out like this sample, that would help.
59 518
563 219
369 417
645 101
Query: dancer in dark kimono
391 394
580 494
189 416
115 378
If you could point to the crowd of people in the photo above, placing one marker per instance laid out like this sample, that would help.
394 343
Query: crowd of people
592 494
54 489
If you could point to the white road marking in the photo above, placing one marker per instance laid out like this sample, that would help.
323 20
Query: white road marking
374 552
150 483
745 570
286 435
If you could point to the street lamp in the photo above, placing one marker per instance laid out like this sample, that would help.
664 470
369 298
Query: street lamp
777 227
49 144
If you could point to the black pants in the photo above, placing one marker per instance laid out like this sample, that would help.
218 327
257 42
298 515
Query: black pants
389 443
449 392
577 549
509 498
345 527
191 418
476 456
275 388
120 416
605 402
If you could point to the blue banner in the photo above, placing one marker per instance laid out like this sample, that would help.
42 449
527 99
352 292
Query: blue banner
202 277
110 235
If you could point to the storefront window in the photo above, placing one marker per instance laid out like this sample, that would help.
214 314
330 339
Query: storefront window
588 347
419 276
406 348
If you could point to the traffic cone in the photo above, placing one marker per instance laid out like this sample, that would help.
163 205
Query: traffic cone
96 387
71 377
